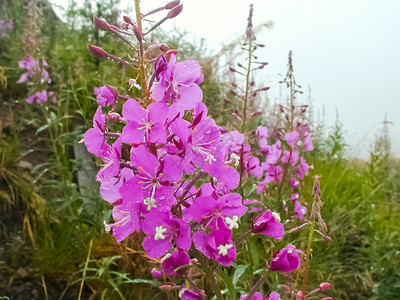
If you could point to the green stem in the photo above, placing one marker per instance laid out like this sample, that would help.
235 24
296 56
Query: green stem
308 252
142 69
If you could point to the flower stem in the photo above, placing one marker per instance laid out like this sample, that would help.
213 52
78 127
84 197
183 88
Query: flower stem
257 285
142 69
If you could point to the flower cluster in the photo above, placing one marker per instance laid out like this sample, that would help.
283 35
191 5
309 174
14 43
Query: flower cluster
36 75
5 26
172 174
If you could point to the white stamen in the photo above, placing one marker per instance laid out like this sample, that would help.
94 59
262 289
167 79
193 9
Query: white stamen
276 216
160 233
223 250
290 251
235 158
107 227
150 202
232 222
303 211
165 257
210 158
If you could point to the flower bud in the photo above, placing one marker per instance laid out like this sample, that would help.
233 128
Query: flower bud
101 24
166 287
327 298
175 11
232 69
156 273
324 286
327 238
164 47
137 32
172 4
97 51
127 20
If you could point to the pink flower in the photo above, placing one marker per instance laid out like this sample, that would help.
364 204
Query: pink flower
106 95
292 138
285 260
268 223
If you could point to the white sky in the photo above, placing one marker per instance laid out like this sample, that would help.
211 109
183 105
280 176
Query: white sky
347 51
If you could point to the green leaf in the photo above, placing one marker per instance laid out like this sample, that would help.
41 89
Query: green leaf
238 273
228 282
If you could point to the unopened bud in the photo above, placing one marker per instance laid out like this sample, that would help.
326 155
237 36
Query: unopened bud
327 298
128 20
113 117
324 286
101 24
164 47
166 287
137 32
252 83
323 225
233 84
328 238
175 11
254 94
97 51
172 4
114 28
286 288
257 113
232 69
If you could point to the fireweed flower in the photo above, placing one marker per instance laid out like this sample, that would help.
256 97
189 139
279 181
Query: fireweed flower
207 210
144 125
300 210
294 183
95 138
285 260
290 157
294 196
173 260
178 84
292 138
200 146
161 229
273 296
106 95
111 157
268 223
303 168
308 146
127 220
217 245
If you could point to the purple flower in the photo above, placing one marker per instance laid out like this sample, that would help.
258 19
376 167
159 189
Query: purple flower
173 260
290 157
292 138
186 294
209 209
126 219
294 183
272 153
95 138
217 245
302 169
106 95
144 125
300 210
285 260
274 296
268 223
256 296
178 84
161 229
111 157
308 146
294 196
38 97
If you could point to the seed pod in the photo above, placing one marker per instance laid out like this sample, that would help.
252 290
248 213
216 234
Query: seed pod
97 52
175 11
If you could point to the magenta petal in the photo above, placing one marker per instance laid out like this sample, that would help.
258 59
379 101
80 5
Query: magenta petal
131 133
109 189
94 141
132 111
172 168
159 91
187 72
157 248
157 134
23 78
189 97
183 241
144 161
200 242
